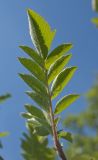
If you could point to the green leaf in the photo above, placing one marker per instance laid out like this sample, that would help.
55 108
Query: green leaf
40 32
57 66
36 147
43 131
4 134
95 21
33 54
39 126
4 97
57 53
56 121
42 101
26 115
65 102
34 68
65 135
38 123
34 83
35 111
62 80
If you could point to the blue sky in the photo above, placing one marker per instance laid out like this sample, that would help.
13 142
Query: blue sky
72 21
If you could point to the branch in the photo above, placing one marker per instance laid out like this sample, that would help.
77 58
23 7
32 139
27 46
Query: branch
55 136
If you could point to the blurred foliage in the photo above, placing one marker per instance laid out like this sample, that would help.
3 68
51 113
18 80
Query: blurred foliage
95 21
36 147
95 8
95 5
85 127
3 98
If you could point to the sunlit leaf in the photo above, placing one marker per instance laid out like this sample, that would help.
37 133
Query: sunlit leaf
33 54
34 68
34 83
61 80
40 126
57 66
40 32
57 53
34 111
40 100
65 102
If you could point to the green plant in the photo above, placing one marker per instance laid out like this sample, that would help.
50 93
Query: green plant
47 79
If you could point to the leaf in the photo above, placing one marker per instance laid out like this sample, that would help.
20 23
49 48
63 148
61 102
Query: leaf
26 115
62 80
4 134
34 68
39 126
37 120
65 102
43 131
65 135
33 54
35 111
4 97
39 99
57 66
57 53
56 121
95 21
33 144
34 83
40 32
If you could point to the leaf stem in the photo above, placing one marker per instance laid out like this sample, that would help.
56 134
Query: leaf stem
55 136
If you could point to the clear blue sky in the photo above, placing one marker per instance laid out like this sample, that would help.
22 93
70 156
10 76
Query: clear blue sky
72 21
